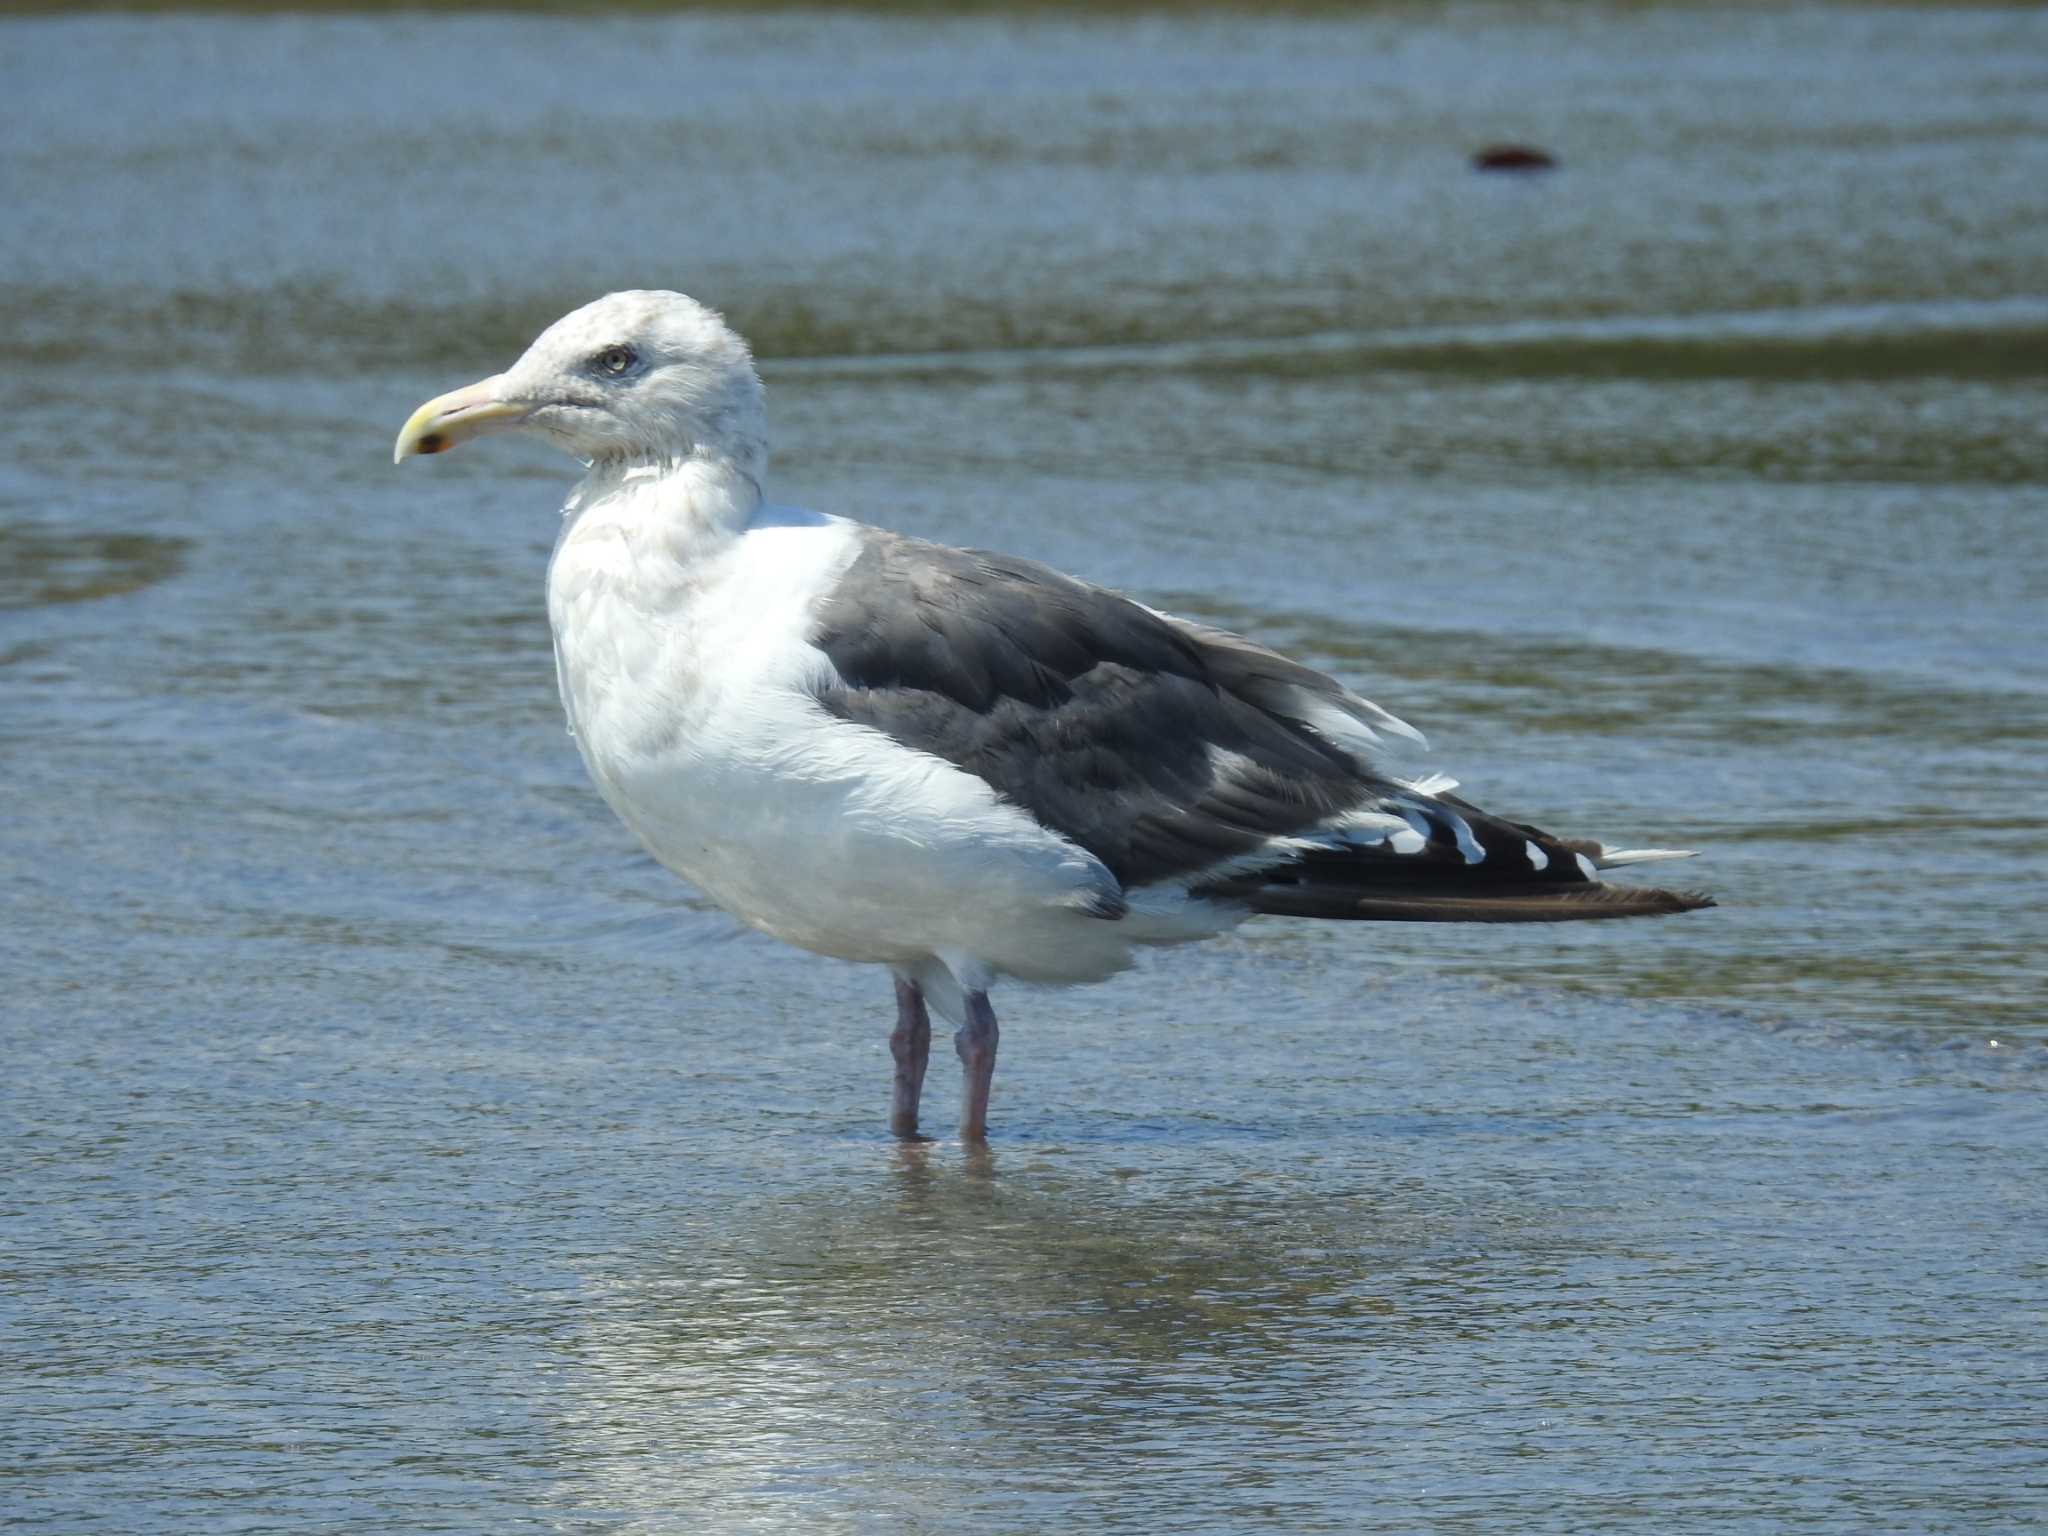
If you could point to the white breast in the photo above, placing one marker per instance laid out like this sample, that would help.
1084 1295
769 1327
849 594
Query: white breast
687 675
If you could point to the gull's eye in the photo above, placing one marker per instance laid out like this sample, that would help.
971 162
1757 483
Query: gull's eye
615 360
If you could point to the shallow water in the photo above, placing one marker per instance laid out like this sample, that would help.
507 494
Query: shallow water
390 1145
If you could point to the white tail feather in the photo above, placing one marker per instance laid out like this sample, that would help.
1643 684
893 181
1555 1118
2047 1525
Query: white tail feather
1615 858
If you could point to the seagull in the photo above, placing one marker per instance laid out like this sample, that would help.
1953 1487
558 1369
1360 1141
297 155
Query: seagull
960 765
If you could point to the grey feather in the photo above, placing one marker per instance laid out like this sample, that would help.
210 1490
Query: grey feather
1165 749
1101 718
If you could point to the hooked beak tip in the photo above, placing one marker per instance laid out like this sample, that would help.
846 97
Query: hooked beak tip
464 413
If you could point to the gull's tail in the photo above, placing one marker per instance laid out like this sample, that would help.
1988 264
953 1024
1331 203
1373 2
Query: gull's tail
1496 904
1442 860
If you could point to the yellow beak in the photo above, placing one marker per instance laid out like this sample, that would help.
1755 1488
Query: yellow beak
447 419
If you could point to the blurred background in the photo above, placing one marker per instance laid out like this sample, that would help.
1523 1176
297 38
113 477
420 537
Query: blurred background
391 1145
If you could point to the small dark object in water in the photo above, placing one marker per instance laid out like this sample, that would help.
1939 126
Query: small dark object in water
1513 157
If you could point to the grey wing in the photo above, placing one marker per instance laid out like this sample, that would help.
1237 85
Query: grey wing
1177 753
1163 748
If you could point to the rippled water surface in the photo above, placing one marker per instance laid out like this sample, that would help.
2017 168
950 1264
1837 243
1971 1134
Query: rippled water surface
389 1145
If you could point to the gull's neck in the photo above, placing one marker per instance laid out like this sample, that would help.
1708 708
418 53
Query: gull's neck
693 502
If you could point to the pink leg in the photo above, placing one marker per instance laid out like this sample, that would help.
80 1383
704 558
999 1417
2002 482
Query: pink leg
976 1044
911 1044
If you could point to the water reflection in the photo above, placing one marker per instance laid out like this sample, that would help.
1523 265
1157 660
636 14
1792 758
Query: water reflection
1029 1324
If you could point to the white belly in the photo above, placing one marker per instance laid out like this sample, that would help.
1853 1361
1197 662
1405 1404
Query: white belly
687 687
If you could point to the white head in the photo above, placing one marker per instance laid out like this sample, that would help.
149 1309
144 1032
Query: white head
644 377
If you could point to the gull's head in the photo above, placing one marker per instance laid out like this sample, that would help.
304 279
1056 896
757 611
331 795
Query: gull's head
640 377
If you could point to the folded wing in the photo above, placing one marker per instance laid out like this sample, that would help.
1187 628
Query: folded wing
1175 753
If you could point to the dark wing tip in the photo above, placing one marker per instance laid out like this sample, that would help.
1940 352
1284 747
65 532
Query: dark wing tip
1553 904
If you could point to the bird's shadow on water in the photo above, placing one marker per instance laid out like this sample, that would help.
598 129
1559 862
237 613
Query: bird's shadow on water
1016 1241
1020 1305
